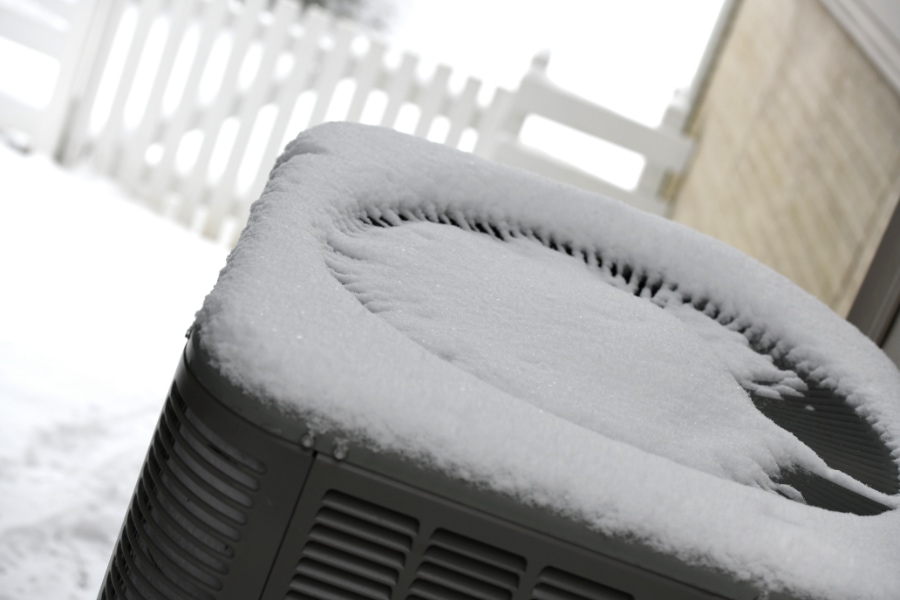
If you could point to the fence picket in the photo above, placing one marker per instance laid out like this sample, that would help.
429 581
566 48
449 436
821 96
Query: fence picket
133 159
100 38
212 20
224 191
215 115
64 39
304 50
398 91
654 176
490 127
333 69
112 134
366 75
462 111
431 99
73 68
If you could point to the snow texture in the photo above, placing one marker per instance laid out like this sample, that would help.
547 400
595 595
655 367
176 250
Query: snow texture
531 338
97 294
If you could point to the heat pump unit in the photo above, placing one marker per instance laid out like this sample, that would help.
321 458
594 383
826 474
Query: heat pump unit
338 428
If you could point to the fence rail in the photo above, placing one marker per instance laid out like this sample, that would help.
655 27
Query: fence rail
204 157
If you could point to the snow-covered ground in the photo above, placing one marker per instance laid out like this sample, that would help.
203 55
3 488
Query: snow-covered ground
97 293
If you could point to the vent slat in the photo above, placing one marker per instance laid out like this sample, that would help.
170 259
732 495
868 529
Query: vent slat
362 548
455 567
157 489
351 564
425 590
458 582
189 558
223 475
355 550
478 551
160 563
183 511
364 529
133 584
376 515
194 478
554 584
848 444
341 579
546 592
834 419
185 496
310 589
472 568
229 452
155 578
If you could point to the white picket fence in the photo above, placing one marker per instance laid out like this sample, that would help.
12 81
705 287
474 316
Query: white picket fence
188 102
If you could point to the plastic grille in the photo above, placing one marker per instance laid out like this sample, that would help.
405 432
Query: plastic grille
454 567
554 584
827 423
355 550
186 512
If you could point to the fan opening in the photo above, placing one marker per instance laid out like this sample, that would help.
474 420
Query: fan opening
819 417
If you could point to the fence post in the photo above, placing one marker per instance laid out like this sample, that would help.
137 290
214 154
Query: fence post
462 112
653 177
334 68
491 132
109 144
68 39
225 191
197 183
133 161
305 51
398 88
101 36
212 20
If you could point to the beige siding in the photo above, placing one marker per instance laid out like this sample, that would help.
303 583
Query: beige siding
798 161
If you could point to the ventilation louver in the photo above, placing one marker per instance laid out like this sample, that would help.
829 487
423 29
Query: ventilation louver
186 514
454 566
554 584
355 550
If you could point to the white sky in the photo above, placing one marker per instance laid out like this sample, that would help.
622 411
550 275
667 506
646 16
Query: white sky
629 56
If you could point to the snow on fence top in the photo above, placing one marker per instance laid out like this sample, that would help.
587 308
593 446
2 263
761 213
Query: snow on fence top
562 348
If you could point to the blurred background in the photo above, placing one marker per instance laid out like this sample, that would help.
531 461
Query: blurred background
770 125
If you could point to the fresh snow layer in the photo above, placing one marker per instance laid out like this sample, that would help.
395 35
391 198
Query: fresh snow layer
97 294
540 326
524 370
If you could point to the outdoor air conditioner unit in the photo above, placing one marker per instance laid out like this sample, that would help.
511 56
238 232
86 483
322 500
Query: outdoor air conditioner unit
251 488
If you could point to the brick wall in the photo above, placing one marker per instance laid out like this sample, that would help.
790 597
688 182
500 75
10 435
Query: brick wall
798 161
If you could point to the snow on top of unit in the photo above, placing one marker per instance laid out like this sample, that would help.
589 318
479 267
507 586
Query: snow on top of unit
431 303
